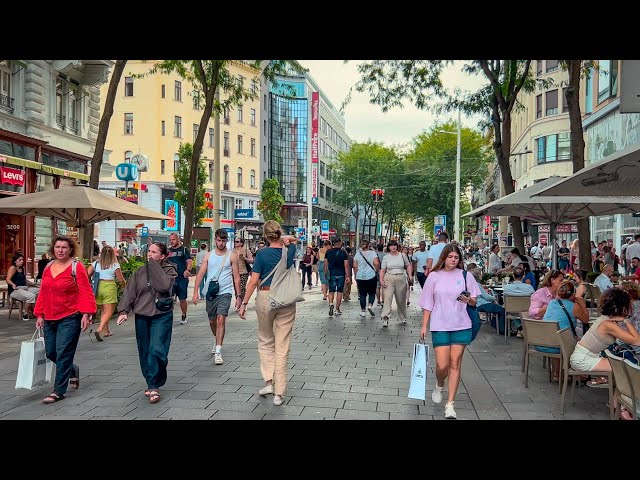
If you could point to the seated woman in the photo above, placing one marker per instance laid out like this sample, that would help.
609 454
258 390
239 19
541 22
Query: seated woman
615 306
568 306
529 276
19 288
621 348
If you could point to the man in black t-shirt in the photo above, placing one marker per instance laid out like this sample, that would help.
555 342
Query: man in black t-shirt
181 256
336 267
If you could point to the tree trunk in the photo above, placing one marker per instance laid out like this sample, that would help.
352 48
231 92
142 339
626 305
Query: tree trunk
577 154
502 147
356 239
98 152
209 90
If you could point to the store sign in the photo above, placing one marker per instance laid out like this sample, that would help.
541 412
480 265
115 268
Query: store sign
127 172
171 209
564 228
243 213
12 176
315 117
13 227
128 195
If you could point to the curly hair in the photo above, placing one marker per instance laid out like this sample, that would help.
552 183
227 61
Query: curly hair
632 289
615 303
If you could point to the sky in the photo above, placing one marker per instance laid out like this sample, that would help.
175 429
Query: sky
366 121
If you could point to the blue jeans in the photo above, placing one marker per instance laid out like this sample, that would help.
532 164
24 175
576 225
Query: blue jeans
421 278
494 308
153 335
60 342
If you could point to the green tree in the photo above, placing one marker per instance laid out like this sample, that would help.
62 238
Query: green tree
271 201
181 176
209 77
391 82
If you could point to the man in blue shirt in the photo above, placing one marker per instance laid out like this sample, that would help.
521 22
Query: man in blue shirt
421 257
518 289
181 256
603 281
336 267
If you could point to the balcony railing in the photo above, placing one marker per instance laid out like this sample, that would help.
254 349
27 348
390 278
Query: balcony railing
226 152
72 126
61 120
6 103
225 186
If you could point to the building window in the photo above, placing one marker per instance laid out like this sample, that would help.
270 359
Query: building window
539 68
195 98
607 79
127 156
225 208
538 106
211 138
162 128
264 128
322 190
195 132
551 100
322 167
254 87
128 123
239 204
588 92
553 147
226 144
161 167
239 176
253 117
176 162
225 172
162 91
239 143
178 91
128 86
552 65
252 206
253 147
329 173
225 114
252 179
5 85
565 105
177 127
240 114
211 172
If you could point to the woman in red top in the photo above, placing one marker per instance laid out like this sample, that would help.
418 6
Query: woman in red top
64 304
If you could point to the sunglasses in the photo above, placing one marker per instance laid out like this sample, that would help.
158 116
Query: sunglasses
236 241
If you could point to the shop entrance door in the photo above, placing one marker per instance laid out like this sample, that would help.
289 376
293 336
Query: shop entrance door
11 237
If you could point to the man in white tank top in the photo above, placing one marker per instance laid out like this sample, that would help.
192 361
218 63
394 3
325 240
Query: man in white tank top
220 265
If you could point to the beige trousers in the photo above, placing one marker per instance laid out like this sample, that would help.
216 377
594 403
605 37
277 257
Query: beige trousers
396 286
274 340
26 295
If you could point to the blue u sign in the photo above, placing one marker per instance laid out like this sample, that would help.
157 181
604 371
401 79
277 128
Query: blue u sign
127 172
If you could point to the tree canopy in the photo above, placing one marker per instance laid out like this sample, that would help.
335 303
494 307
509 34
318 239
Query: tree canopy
181 176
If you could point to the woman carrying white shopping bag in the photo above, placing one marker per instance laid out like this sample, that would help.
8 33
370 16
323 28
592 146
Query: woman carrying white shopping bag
444 301
63 307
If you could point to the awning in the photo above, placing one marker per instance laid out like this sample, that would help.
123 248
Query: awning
63 173
21 162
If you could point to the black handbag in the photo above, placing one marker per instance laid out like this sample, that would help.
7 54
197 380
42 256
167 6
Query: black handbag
164 304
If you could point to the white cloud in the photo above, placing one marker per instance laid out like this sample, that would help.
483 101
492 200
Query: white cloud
366 121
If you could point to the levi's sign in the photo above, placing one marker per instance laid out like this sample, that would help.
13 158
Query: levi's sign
12 176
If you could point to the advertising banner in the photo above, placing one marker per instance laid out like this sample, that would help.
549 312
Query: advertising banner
12 176
131 197
315 120
172 209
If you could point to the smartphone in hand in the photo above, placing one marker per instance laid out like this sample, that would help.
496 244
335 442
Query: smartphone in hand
464 294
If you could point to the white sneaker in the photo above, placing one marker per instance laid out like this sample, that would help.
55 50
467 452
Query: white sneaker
268 390
436 395
217 359
184 320
363 314
213 350
449 412
385 322
278 400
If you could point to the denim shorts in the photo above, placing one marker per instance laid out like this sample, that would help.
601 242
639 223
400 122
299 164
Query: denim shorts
180 287
457 337
336 284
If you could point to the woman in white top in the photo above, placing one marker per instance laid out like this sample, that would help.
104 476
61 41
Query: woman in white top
365 267
393 278
495 263
108 270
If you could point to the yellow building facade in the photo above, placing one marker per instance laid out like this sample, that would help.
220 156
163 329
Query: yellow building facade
154 114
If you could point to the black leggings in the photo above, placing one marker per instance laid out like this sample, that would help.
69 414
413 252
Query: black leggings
306 271
366 287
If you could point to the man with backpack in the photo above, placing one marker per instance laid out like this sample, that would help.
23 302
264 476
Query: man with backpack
336 266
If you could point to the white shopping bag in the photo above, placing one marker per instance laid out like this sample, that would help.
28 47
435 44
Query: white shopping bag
418 385
34 369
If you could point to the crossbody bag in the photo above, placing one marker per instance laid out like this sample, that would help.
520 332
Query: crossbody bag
564 309
164 304
377 274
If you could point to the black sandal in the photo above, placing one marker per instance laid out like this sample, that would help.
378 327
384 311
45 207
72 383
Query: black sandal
52 398
74 382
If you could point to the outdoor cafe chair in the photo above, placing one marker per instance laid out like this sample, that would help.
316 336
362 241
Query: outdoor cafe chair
539 333
623 392
515 306
633 371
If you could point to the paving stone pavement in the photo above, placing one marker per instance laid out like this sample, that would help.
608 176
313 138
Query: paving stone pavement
345 367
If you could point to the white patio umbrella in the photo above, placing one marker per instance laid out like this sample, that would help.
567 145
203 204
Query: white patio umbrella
618 174
80 206
529 204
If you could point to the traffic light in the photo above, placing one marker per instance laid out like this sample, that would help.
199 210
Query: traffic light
377 194
486 230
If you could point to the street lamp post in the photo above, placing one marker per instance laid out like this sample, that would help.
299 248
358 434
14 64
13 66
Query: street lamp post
456 211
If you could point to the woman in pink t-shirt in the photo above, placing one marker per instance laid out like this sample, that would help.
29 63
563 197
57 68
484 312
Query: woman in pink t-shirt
444 302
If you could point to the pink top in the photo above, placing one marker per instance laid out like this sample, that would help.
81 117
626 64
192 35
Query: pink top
539 299
439 296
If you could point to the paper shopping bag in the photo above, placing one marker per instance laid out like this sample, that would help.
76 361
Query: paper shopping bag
34 369
418 385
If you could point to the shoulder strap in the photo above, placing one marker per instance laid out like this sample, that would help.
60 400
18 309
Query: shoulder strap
464 274
404 257
365 259
73 268
224 260
573 329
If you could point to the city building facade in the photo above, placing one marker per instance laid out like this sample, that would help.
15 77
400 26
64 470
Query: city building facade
49 116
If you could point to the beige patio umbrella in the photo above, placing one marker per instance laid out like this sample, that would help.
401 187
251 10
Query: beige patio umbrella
79 206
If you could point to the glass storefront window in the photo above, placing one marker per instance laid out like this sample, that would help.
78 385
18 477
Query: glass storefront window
62 162
43 236
16 150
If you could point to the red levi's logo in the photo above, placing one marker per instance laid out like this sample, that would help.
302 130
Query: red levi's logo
12 176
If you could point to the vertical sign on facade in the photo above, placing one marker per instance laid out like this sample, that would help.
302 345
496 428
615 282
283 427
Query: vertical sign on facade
171 209
315 119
